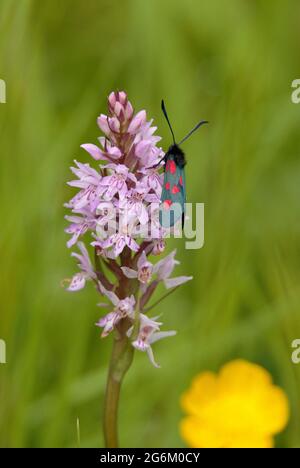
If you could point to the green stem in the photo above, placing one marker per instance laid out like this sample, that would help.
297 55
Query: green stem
121 359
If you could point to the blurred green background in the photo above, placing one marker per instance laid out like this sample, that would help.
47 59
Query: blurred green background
230 62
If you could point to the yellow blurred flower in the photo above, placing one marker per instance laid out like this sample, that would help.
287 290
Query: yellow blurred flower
238 408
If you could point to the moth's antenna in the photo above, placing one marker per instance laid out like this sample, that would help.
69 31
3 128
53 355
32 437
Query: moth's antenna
167 119
193 130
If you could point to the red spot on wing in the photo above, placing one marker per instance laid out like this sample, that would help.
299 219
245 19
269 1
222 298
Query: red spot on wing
172 167
167 166
167 204
175 189
181 181
167 186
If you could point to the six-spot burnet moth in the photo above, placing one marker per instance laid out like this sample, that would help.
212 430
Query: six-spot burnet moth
173 194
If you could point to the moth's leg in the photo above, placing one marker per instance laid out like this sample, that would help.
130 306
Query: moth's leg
182 219
164 158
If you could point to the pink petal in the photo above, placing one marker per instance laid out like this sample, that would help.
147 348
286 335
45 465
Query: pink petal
73 239
143 217
114 124
107 180
161 335
120 169
137 122
174 282
128 111
165 266
118 108
151 357
114 152
142 260
77 283
111 295
132 177
103 125
140 345
107 243
122 97
123 191
112 99
93 150
110 193
119 247
142 147
132 244
129 272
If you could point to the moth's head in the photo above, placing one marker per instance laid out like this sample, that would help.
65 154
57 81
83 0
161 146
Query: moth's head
175 150
178 155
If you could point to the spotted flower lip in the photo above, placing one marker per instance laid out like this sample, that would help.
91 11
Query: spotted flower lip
143 272
122 308
163 269
238 408
81 221
89 184
116 183
149 333
117 243
87 272
134 204
108 323
152 180
157 247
